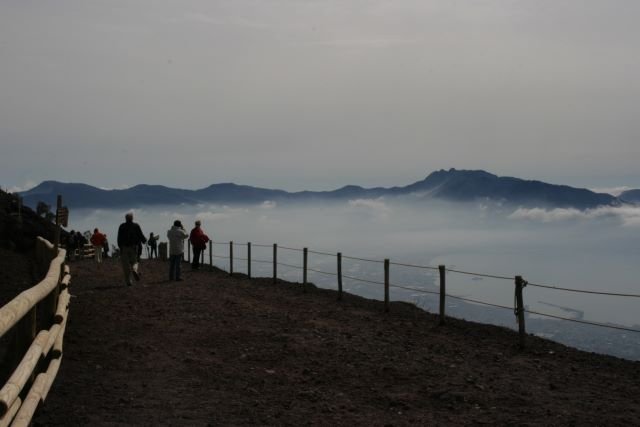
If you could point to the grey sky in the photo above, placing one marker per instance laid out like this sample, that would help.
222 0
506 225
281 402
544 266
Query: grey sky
312 94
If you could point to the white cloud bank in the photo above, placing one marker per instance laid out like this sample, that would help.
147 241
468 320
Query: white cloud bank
629 215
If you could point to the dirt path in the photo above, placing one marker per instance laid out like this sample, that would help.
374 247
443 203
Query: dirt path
215 350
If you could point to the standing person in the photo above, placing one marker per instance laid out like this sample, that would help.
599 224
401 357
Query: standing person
130 236
71 245
153 246
105 247
199 241
97 240
177 236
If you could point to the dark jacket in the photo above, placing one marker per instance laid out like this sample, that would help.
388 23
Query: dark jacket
130 234
198 239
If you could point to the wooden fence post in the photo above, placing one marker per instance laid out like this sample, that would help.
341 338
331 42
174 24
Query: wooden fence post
443 292
520 283
249 260
339 275
275 262
231 258
386 285
56 235
211 253
305 254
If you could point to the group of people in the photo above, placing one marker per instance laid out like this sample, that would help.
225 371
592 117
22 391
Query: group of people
131 238
75 242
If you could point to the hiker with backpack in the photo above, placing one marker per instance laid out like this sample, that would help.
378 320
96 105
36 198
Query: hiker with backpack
130 237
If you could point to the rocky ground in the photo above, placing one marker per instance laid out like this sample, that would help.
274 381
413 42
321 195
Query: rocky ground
221 350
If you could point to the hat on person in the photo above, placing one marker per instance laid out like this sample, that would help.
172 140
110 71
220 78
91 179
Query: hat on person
177 223
198 222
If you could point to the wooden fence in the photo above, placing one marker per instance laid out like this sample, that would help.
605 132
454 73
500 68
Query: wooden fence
37 353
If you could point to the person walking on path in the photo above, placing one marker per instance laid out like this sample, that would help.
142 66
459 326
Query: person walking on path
198 240
153 246
176 236
97 240
130 236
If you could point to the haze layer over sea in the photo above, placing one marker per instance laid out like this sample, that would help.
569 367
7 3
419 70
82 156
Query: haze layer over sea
595 250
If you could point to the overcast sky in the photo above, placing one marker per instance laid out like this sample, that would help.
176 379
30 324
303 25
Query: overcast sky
315 94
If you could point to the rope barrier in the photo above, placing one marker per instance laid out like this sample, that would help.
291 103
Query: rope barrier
290 266
602 325
414 266
220 256
321 253
414 289
362 259
322 272
289 249
362 280
261 261
490 276
584 292
480 302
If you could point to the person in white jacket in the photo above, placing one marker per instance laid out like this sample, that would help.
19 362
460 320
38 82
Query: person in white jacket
177 236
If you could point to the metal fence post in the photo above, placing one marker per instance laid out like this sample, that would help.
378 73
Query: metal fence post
249 260
275 262
443 292
305 255
520 284
386 285
231 258
339 275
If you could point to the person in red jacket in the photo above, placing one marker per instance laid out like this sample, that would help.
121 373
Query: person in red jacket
199 241
97 240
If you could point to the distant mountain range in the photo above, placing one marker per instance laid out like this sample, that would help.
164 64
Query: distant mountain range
632 196
450 185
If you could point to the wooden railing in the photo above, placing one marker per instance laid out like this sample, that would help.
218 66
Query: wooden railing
38 353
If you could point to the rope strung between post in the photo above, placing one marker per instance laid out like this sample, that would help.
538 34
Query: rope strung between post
490 276
362 259
261 261
602 325
220 256
290 266
322 272
469 273
362 280
290 249
414 266
479 302
240 259
414 289
558 288
321 253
